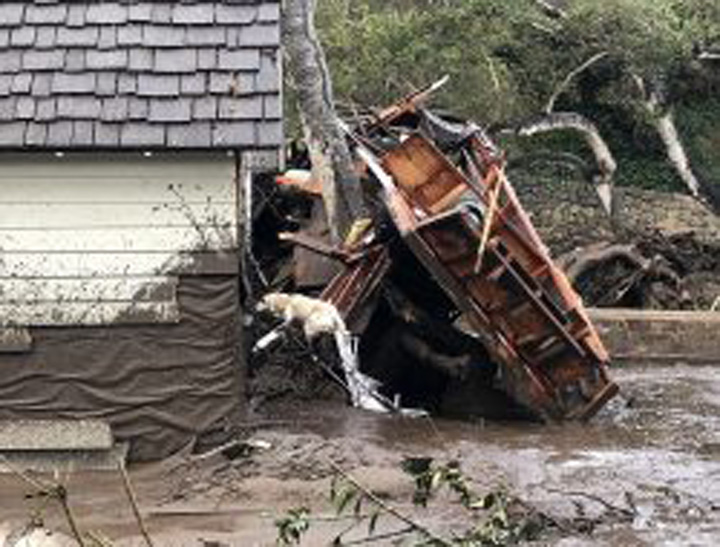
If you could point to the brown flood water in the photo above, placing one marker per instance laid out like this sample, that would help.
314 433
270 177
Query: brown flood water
656 447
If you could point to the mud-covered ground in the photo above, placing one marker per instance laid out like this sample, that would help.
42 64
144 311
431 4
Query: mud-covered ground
654 452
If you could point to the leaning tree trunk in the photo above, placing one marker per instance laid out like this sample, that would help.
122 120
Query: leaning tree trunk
664 122
604 159
329 153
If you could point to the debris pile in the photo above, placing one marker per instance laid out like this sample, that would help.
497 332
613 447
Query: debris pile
450 289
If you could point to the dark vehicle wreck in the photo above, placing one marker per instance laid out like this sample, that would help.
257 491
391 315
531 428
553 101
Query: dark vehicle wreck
450 284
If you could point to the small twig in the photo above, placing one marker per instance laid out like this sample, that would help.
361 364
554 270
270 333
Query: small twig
597 499
60 493
390 509
133 502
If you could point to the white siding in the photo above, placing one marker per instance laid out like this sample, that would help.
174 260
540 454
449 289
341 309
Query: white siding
92 239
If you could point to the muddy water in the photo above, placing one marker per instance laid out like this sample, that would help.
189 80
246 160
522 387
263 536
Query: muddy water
655 451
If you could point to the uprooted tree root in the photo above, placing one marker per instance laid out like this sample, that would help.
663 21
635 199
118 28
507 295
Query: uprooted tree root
652 271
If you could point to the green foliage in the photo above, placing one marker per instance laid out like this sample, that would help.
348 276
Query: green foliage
506 58
292 526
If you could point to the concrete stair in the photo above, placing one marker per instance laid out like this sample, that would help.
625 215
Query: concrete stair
58 445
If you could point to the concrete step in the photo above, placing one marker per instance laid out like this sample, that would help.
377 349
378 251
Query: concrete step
50 461
54 435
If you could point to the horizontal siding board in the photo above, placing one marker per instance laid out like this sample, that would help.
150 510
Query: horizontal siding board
53 314
148 238
77 215
120 289
111 265
63 188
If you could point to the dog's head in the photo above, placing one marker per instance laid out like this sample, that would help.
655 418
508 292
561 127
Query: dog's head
271 302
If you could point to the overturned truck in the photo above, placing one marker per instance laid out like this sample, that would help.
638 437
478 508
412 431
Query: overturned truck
451 247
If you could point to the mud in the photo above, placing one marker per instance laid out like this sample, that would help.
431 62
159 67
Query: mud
653 453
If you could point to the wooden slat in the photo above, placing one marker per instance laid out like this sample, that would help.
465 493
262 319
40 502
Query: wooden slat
148 238
76 215
140 289
72 314
102 264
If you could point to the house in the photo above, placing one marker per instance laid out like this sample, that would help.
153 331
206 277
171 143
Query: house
128 133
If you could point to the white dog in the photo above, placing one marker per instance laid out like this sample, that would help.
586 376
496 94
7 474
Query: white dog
316 316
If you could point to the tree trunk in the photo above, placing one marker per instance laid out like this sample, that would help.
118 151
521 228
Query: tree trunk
331 159
604 159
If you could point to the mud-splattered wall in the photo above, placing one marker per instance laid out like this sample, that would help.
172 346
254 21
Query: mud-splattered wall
121 272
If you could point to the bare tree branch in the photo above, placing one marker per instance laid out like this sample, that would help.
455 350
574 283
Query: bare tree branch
566 82
606 165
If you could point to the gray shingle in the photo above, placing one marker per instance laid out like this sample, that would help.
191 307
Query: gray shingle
76 15
141 59
7 108
175 61
77 37
45 110
269 133
59 133
78 107
268 78
170 110
108 37
154 85
130 35
5 83
45 38
161 13
35 134
114 109
12 133
107 134
83 133
106 60
22 36
240 108
43 60
196 135
196 14
137 108
269 12
207 59
41 84
272 107
75 60
260 35
142 134
205 36
38 14
106 84
73 83
25 108
195 84
235 14
127 83
10 61
21 83
232 83
163 36
11 14
234 133
241 59
140 13
205 108
107 13
4 37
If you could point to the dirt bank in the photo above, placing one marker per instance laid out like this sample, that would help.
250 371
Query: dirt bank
656 449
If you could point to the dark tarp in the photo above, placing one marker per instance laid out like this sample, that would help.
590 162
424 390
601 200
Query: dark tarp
159 386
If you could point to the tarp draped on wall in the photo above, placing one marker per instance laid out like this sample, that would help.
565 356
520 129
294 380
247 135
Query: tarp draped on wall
159 386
